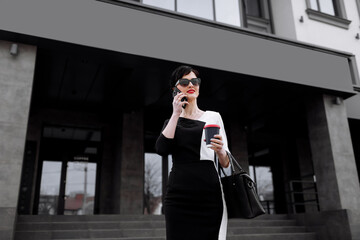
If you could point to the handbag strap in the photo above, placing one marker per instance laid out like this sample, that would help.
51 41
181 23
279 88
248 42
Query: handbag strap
233 163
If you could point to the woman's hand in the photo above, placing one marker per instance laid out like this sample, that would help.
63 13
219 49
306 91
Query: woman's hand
177 103
169 130
217 145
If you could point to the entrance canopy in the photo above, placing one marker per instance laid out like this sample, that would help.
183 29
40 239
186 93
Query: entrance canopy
139 30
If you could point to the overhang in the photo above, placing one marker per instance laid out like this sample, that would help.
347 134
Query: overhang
135 29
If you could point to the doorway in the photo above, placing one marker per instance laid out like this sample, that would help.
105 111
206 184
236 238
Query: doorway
68 171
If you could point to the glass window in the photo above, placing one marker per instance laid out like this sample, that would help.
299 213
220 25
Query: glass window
49 188
227 11
167 4
80 188
62 132
314 5
325 6
253 8
153 184
199 8
170 163
264 183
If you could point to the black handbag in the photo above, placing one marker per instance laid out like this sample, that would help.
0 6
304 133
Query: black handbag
242 200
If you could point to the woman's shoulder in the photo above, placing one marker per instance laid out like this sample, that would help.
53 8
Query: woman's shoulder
212 113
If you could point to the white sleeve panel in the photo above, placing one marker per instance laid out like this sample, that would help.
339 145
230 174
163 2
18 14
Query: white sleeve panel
224 137
211 117
223 132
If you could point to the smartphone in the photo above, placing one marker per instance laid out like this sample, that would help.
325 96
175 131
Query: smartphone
176 90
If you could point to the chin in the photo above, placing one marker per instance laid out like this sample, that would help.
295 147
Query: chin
192 96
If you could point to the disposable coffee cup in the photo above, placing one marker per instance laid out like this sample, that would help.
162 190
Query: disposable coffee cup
210 131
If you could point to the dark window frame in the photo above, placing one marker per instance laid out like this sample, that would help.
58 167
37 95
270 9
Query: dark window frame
265 23
260 9
339 19
259 22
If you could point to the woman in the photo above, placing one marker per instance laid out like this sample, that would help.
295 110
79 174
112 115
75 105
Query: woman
194 203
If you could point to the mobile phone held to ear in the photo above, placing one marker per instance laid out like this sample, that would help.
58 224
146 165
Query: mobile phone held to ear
176 90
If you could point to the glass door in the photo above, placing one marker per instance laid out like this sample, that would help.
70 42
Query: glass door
49 188
79 184
80 188
69 159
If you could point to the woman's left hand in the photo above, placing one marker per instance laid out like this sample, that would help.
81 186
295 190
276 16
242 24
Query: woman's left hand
217 145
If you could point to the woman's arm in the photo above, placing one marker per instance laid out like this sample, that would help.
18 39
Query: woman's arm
224 159
218 144
164 143
169 131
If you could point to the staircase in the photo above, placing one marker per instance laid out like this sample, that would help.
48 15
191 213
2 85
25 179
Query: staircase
136 227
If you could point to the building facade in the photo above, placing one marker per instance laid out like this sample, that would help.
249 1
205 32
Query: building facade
84 93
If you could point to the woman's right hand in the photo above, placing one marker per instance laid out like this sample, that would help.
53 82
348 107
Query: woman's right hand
177 103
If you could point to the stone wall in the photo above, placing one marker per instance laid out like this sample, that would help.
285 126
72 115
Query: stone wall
16 81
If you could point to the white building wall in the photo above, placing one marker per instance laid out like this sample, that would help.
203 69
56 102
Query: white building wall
283 18
327 35
287 24
320 33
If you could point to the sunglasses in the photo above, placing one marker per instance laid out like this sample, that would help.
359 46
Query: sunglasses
185 82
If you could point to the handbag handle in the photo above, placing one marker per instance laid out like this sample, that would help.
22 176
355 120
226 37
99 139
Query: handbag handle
233 163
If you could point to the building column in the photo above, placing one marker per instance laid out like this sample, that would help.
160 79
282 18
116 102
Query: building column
109 196
16 81
306 174
132 164
332 154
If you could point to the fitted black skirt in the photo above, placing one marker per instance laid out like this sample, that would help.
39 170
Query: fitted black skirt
193 202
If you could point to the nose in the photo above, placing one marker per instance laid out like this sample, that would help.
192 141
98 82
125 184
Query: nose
190 84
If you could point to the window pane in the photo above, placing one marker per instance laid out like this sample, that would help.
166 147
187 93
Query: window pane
227 11
327 6
199 8
264 183
153 184
167 4
80 188
253 8
169 164
49 188
314 5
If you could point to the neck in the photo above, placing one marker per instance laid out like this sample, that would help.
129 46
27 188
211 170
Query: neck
191 109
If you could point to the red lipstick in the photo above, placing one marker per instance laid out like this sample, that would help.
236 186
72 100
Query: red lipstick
191 91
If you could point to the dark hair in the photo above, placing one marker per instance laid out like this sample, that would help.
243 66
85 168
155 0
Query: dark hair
181 71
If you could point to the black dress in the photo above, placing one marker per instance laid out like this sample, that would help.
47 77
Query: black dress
194 204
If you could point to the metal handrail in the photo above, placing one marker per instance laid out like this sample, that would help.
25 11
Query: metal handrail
293 192
267 205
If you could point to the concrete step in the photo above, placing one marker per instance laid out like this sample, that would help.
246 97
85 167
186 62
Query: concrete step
90 234
146 232
114 217
125 238
260 223
89 225
83 225
294 236
121 227
97 218
155 232
277 236
262 230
